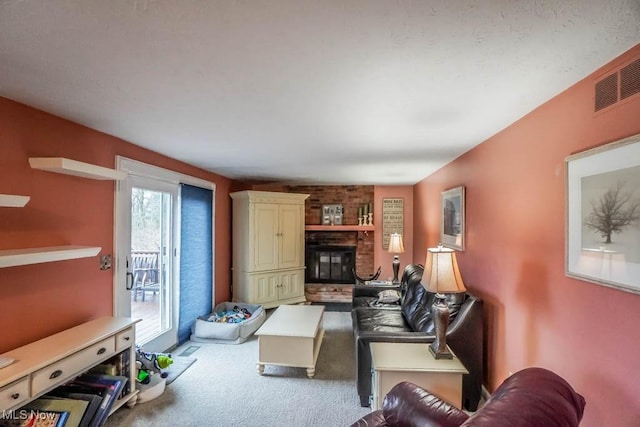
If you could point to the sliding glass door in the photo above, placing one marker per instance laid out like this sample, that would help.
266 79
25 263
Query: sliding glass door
164 242
147 247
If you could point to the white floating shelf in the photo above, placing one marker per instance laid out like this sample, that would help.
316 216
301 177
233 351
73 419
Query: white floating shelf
14 257
76 168
12 201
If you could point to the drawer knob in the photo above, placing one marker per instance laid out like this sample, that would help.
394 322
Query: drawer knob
14 396
102 350
55 374
127 338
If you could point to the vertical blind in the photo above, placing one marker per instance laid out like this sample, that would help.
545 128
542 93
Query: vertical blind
196 252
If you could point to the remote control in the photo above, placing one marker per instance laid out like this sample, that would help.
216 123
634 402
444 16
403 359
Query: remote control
6 361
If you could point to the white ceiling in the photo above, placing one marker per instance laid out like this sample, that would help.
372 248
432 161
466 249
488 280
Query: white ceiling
324 91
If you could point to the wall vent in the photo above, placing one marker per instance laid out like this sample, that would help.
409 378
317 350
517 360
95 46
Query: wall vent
630 80
618 86
607 91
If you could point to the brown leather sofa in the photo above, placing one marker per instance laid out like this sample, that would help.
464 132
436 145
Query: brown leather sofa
532 397
411 321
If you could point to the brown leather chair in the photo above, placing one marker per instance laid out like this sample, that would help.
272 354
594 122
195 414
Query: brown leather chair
532 397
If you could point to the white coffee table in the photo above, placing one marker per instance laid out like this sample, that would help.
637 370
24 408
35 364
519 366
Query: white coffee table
291 336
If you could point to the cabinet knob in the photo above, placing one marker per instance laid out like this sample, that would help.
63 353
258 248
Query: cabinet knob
102 350
55 374
15 396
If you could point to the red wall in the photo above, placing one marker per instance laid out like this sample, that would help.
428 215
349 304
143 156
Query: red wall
41 299
514 256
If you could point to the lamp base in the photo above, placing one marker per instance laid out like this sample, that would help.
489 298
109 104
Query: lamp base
440 313
396 269
440 354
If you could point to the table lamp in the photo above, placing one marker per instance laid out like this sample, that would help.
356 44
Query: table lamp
441 276
396 247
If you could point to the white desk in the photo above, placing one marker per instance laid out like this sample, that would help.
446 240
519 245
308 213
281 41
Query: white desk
45 364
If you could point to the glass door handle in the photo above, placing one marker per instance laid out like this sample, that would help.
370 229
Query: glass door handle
129 281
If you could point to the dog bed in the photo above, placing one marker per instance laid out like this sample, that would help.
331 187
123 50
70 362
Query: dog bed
244 320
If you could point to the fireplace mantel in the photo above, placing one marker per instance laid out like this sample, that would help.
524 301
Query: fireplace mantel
339 228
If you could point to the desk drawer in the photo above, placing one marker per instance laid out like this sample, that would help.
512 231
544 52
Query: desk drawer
125 339
14 394
58 372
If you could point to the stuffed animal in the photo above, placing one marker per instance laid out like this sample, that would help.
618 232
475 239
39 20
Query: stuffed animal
152 362
143 377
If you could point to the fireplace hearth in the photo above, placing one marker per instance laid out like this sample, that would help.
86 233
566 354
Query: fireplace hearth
330 264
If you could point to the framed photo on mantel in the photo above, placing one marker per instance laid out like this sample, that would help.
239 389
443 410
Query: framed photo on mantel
603 215
452 220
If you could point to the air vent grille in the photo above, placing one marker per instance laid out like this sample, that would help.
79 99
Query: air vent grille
607 91
618 86
630 80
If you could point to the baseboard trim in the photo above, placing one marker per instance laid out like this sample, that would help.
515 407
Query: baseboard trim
485 394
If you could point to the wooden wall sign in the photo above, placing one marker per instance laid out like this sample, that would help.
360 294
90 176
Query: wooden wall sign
392 219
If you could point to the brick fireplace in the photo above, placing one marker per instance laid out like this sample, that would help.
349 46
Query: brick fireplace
351 197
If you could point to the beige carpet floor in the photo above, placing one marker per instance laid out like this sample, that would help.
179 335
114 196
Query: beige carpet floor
222 388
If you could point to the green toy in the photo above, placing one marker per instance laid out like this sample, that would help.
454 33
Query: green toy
143 375
151 363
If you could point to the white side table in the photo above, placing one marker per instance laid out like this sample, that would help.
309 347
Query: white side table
397 362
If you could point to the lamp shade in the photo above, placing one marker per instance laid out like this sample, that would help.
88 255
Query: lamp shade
395 244
441 272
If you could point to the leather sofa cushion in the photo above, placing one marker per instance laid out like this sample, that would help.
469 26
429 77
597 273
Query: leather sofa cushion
375 320
372 302
416 307
363 302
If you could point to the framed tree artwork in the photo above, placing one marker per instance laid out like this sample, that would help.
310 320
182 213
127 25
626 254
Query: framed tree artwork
603 215
452 220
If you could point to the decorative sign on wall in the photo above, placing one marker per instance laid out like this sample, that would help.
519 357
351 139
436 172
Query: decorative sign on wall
392 219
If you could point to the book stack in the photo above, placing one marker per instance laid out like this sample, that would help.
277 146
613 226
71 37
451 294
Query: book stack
84 402
115 366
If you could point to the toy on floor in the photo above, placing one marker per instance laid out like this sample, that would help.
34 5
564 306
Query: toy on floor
237 315
151 363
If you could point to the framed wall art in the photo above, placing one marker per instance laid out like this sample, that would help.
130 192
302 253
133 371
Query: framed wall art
452 220
392 219
603 215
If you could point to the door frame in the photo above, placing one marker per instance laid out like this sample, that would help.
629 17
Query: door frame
144 170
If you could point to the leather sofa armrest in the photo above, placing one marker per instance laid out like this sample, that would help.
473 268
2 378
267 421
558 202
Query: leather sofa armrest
465 336
408 405
373 419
